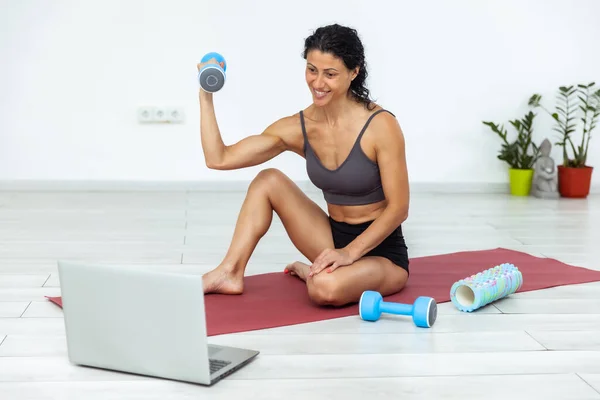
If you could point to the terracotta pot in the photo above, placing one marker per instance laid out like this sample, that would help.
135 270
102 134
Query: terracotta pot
574 182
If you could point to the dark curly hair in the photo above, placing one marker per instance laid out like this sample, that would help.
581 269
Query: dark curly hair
344 43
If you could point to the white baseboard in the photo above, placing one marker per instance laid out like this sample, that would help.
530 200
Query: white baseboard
229 186
133 186
118 185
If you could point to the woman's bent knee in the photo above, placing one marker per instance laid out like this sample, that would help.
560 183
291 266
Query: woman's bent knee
325 290
270 174
268 178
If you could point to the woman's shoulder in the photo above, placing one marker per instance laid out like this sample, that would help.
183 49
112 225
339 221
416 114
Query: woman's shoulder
384 128
375 108
381 119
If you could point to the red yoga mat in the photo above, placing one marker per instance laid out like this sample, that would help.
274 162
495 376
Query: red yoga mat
277 299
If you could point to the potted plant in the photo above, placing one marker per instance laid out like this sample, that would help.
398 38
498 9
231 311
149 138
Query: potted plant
519 154
574 175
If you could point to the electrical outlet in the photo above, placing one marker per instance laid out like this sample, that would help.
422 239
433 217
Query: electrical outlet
160 114
175 115
145 114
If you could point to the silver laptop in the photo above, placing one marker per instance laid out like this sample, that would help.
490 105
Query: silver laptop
143 322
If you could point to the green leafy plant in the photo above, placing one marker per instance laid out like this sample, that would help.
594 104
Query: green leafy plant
571 100
522 152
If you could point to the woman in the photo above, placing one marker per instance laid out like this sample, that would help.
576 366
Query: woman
354 152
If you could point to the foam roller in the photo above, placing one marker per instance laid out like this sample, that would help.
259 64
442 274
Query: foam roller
485 287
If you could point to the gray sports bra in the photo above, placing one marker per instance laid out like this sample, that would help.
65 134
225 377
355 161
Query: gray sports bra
355 182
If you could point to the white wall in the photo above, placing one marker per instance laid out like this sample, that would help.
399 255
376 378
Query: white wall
73 73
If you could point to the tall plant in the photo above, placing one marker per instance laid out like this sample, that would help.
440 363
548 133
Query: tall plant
522 152
569 101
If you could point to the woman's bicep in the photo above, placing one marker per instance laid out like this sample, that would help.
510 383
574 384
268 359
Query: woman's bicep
257 149
252 150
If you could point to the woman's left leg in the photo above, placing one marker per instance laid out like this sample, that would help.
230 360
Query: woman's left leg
346 284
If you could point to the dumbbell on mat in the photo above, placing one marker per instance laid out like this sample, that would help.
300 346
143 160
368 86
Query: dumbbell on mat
212 76
423 310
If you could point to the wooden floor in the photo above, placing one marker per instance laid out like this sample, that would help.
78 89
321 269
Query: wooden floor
542 344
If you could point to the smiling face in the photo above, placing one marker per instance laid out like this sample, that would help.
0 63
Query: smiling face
327 77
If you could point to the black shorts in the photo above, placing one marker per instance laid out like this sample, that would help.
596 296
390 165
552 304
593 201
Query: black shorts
393 247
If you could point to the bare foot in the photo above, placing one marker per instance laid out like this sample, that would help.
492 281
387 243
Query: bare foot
298 269
221 281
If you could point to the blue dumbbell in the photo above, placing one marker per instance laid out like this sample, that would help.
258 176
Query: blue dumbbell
423 311
212 76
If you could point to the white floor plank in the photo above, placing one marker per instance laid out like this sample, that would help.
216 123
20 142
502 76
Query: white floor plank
462 342
12 309
592 379
581 291
27 294
567 340
32 326
315 367
408 343
23 280
43 309
459 322
525 305
34 345
17 266
551 387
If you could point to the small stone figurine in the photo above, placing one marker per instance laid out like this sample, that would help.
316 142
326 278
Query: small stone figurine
545 178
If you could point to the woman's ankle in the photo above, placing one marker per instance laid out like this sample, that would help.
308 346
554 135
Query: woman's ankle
231 267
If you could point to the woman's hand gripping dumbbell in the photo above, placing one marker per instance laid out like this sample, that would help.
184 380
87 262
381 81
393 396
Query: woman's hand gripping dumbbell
211 72
423 311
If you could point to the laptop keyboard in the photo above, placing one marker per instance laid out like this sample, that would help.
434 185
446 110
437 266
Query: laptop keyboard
216 365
